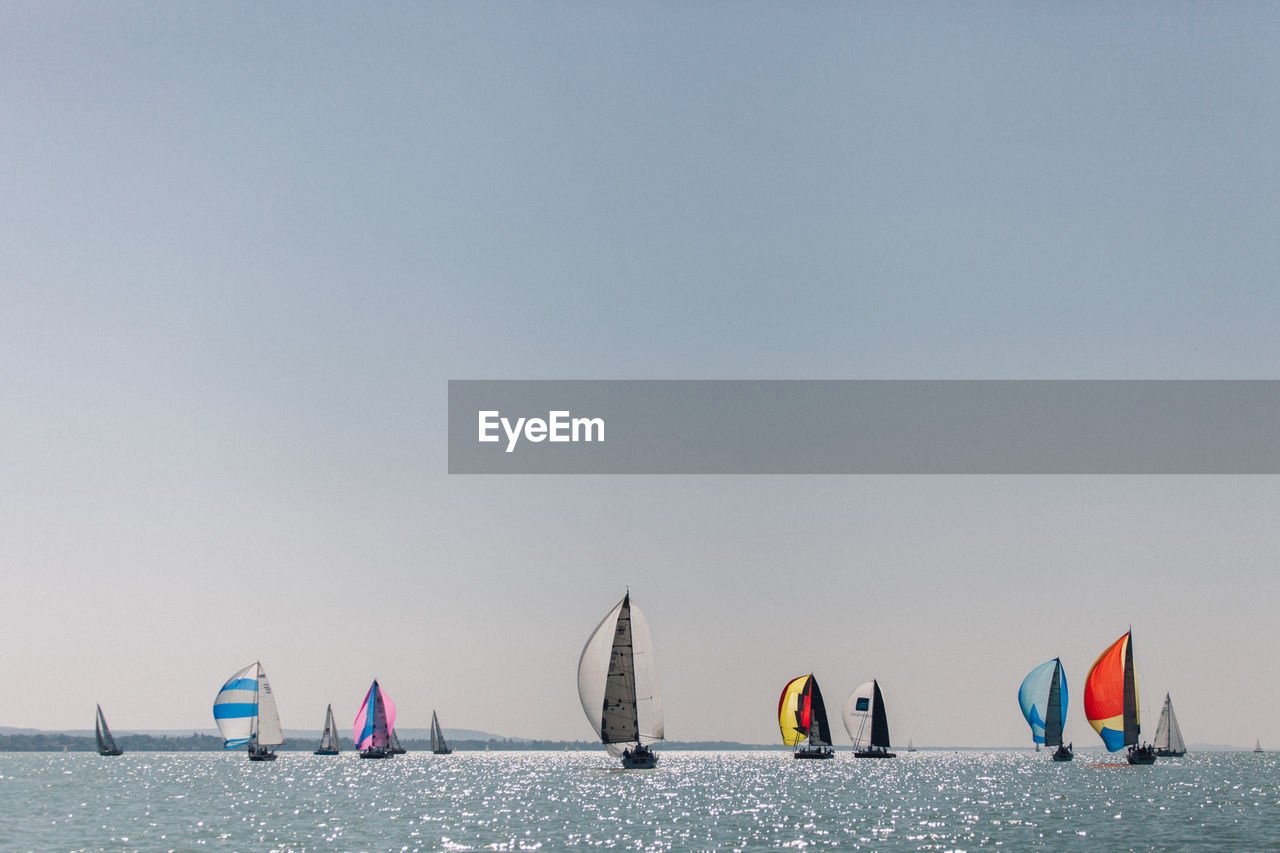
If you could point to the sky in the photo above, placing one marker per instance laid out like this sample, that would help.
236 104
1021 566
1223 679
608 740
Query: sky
244 247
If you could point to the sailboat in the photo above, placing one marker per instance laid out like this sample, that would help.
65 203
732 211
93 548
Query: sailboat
245 711
438 746
1257 745
1043 699
1168 742
867 723
802 716
618 686
1111 701
911 745
329 744
372 728
106 743
393 744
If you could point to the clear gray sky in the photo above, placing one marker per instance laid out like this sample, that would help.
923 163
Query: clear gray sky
243 247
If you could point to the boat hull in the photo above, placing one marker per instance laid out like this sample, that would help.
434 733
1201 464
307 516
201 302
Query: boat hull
640 758
1141 755
874 752
1170 753
111 752
375 752
326 752
445 751
815 752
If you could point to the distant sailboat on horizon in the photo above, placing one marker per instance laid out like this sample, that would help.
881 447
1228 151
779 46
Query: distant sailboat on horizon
329 743
393 744
802 717
438 746
618 686
867 722
1043 700
371 730
1257 745
1168 740
245 711
106 743
911 745
1111 701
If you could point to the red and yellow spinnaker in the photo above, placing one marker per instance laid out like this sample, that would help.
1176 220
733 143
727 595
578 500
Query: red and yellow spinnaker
1111 695
795 710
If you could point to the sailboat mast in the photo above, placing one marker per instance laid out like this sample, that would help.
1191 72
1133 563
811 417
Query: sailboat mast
253 722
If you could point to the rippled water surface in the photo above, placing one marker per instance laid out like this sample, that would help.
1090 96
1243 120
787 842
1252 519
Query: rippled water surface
692 801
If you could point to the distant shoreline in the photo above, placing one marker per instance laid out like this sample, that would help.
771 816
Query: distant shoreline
37 741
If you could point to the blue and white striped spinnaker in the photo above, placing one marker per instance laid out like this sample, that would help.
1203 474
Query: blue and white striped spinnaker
245 710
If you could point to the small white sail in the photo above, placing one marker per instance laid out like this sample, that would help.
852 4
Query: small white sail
1168 732
329 739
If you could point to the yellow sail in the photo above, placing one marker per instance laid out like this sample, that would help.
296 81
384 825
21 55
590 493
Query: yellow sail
794 715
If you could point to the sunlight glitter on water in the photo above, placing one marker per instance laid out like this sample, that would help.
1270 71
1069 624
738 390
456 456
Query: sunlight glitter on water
692 801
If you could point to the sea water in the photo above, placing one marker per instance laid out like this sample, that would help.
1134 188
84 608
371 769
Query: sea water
927 800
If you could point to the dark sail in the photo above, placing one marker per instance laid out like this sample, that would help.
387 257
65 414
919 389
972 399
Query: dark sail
619 722
819 730
106 743
1053 713
1131 727
879 719
380 732
438 745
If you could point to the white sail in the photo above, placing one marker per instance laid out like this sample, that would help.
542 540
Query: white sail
329 740
857 714
618 680
269 733
648 694
1168 732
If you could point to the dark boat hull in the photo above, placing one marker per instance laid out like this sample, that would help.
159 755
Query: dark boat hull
640 758
1170 753
1063 753
375 752
1141 755
111 752
445 751
815 752
874 752
326 752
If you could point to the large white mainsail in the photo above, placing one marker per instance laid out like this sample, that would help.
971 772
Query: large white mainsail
618 680
269 733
